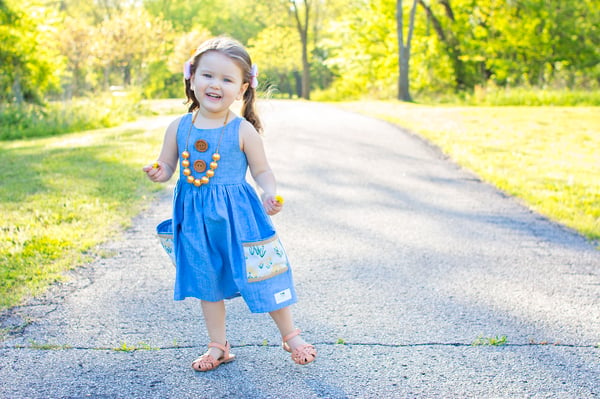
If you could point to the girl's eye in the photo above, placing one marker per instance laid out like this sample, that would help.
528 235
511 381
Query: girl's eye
207 75
228 80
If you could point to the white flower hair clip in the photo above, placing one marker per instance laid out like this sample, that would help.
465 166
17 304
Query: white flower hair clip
254 76
187 70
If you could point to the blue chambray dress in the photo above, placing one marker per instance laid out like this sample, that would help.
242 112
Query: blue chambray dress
213 222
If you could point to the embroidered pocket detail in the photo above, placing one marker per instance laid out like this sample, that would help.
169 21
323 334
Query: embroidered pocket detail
265 259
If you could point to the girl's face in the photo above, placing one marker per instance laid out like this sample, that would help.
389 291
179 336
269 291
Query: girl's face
217 83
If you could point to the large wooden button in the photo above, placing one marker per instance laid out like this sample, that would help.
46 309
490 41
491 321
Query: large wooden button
199 166
201 146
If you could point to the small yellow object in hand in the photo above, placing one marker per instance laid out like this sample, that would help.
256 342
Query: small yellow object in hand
279 199
155 165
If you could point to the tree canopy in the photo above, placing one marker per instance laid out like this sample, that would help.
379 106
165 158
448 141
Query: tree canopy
344 48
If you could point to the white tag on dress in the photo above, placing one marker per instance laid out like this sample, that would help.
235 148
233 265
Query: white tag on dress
283 296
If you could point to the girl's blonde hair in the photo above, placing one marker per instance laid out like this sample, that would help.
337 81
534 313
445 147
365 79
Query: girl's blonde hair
236 51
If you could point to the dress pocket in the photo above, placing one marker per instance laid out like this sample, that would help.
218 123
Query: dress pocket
265 259
165 234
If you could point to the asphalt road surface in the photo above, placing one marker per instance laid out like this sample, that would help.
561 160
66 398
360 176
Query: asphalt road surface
408 269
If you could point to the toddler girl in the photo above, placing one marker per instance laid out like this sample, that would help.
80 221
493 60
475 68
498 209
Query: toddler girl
219 222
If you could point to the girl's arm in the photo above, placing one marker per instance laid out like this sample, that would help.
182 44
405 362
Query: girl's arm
165 165
252 145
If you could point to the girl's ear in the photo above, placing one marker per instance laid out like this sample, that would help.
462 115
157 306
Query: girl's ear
242 91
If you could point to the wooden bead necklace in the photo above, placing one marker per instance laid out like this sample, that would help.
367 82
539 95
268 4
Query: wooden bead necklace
201 146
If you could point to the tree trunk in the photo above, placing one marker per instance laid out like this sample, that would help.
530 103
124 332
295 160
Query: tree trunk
17 91
305 72
403 82
126 75
298 80
303 31
404 50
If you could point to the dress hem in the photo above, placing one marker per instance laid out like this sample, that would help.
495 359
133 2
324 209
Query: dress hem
256 310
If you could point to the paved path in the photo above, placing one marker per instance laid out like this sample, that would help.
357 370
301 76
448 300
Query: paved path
402 260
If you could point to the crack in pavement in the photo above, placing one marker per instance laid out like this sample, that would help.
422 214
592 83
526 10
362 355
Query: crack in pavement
140 346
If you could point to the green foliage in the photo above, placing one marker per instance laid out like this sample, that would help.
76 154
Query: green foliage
462 44
241 19
490 341
161 83
74 47
491 95
47 346
184 15
523 96
276 72
31 120
131 40
29 60
124 347
363 51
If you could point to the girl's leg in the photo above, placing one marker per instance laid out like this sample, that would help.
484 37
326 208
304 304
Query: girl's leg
214 317
285 324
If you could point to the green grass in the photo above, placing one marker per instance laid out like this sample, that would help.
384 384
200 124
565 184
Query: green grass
513 96
61 196
490 341
525 96
124 347
547 156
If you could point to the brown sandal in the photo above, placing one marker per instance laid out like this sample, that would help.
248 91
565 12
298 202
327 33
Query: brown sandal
208 362
303 354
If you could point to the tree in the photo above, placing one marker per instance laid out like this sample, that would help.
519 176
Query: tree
362 48
128 42
301 11
275 51
29 62
75 39
404 50
185 47
240 19
449 38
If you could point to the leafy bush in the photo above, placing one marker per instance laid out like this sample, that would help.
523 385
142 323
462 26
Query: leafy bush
522 96
483 96
30 120
517 96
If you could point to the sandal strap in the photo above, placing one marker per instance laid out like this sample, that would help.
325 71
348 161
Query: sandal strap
219 346
291 335
208 362
225 348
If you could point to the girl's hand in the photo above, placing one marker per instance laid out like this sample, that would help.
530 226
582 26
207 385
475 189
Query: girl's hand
162 169
157 171
273 204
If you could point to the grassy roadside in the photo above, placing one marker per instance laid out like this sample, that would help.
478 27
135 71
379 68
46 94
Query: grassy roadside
547 156
61 196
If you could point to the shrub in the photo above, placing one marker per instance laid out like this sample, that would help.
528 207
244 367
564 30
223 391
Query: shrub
19 121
